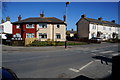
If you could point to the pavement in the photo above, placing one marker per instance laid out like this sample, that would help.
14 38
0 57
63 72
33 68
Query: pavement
58 62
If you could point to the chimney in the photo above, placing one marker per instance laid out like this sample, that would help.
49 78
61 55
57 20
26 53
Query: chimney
72 29
2 21
113 21
83 16
8 18
42 14
100 18
19 18
64 18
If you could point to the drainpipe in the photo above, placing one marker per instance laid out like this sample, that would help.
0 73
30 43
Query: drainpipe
53 32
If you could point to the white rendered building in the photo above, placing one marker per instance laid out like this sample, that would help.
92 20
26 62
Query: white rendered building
88 28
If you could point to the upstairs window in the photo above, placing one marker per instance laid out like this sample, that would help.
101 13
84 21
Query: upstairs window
17 26
42 35
58 36
30 26
94 26
104 28
58 26
110 29
42 25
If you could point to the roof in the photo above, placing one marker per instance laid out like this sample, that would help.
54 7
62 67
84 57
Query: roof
41 20
101 22
72 31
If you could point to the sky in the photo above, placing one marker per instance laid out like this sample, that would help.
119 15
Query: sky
107 10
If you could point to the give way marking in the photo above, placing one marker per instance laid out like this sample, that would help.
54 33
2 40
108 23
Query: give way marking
78 70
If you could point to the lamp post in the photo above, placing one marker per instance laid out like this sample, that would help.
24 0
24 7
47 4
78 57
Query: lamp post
66 20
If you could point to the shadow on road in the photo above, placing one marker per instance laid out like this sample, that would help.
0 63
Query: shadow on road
81 77
103 59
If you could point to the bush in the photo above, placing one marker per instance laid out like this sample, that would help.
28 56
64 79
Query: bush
54 43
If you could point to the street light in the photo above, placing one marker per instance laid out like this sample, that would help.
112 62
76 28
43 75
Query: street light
67 3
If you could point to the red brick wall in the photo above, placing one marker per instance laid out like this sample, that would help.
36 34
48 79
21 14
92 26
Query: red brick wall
22 32
15 30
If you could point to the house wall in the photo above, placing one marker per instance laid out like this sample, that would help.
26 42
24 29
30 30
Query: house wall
106 30
83 29
29 30
51 31
7 27
23 30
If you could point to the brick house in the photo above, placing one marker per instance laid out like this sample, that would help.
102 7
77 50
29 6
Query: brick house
42 28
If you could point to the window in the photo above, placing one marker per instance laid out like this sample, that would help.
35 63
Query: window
30 26
110 29
43 25
29 35
94 26
17 35
43 35
58 26
109 36
104 36
1 28
104 28
58 36
17 26
93 35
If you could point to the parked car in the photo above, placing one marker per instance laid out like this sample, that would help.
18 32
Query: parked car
95 40
7 74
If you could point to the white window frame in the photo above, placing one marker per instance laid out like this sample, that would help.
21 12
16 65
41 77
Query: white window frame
110 29
18 26
17 35
104 28
57 36
94 26
58 26
43 25
28 26
30 35
43 35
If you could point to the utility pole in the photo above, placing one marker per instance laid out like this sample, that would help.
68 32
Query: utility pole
66 20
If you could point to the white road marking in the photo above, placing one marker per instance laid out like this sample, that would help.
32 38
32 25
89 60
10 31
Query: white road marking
86 65
94 54
115 54
107 52
95 50
78 70
75 70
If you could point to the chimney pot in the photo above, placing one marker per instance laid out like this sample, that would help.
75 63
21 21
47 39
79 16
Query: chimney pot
83 16
64 18
19 18
8 18
113 21
42 14
72 29
100 18
2 21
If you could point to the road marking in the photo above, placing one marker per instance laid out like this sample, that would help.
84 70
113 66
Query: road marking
78 70
75 70
107 52
94 54
95 50
115 54
85 65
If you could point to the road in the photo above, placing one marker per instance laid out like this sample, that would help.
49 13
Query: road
58 62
